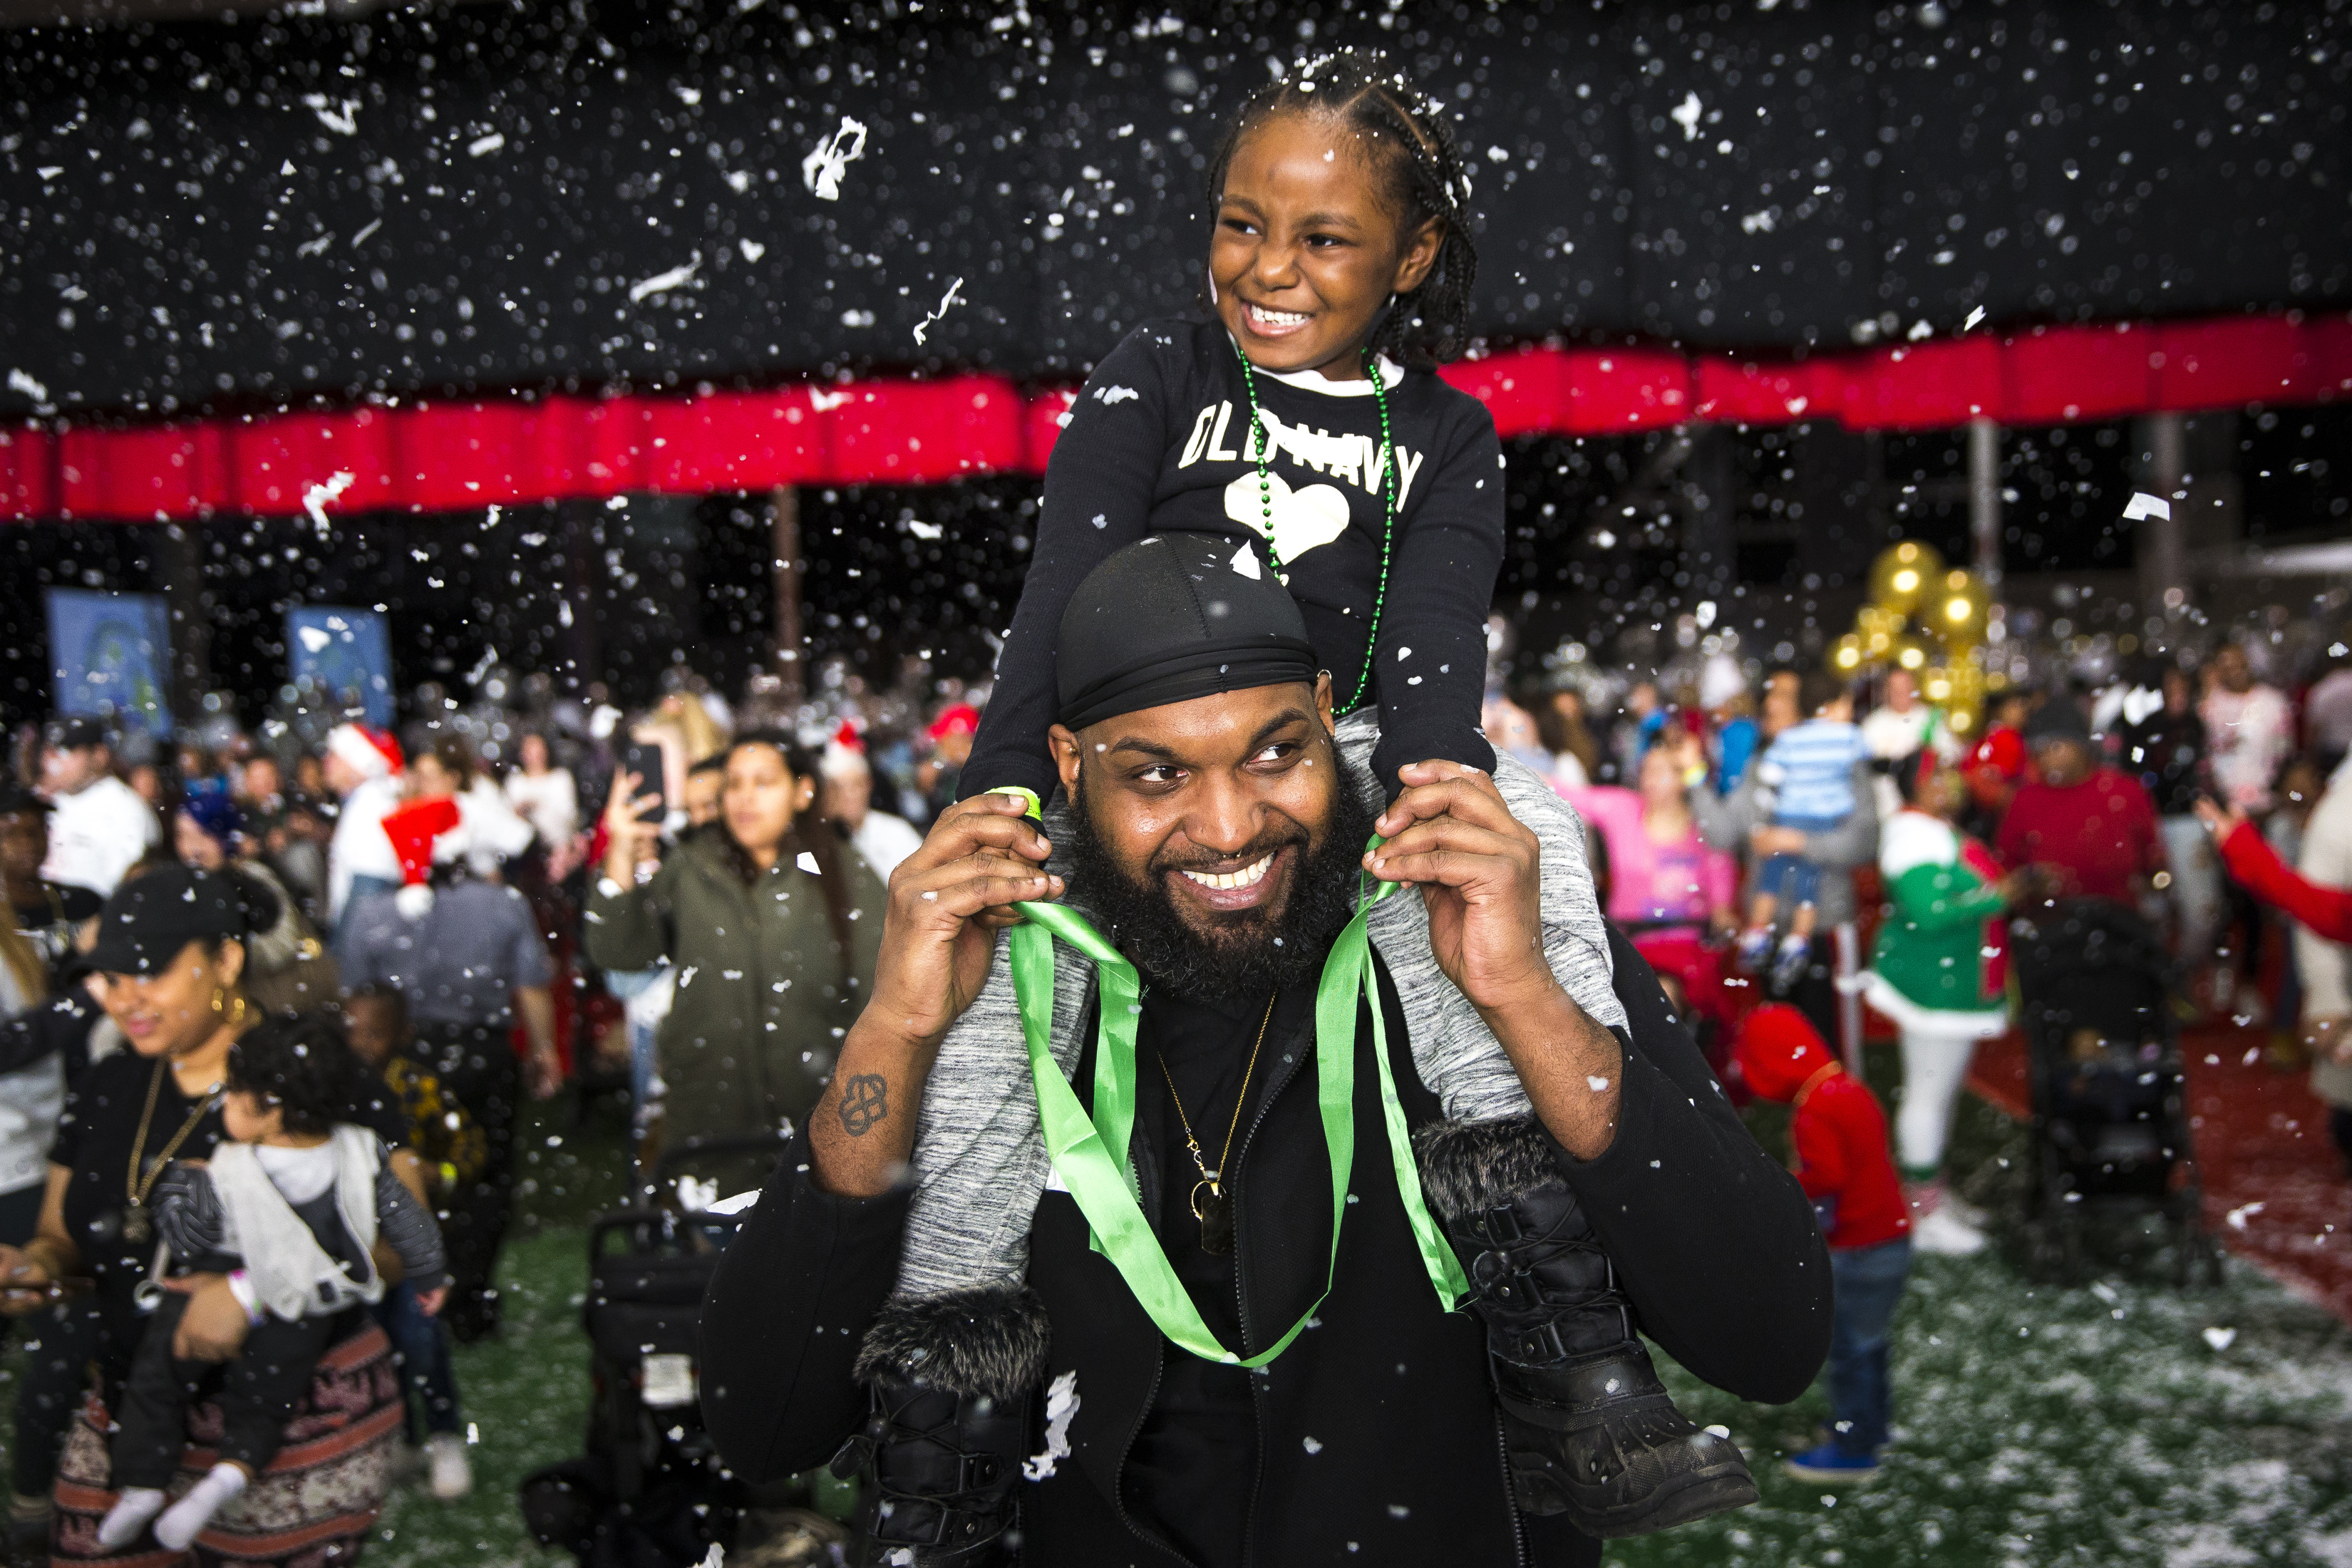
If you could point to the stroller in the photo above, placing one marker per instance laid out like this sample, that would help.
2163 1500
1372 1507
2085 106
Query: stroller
2110 1127
651 1491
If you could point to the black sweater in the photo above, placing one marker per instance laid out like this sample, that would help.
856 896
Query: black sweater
1156 441
1379 1443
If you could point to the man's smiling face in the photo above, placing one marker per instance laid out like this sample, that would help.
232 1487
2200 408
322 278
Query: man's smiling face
1219 834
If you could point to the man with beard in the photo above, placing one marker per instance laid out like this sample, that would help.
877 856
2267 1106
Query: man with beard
1235 1339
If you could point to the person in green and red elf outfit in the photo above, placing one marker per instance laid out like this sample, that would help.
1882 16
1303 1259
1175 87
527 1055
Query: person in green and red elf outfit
1940 972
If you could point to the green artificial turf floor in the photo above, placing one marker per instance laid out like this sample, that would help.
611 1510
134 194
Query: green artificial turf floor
2122 1422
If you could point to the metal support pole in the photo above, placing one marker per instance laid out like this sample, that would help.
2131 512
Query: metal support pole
1984 499
180 570
785 507
2162 543
582 610
1709 548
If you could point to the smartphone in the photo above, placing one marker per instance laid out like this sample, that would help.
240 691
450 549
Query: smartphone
645 761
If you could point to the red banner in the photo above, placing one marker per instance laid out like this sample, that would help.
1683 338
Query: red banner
463 455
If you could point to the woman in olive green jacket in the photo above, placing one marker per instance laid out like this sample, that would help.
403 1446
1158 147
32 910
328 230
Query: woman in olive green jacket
771 927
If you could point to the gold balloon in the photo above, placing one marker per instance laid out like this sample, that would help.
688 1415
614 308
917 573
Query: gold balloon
1964 710
1908 653
1902 575
1876 629
1960 609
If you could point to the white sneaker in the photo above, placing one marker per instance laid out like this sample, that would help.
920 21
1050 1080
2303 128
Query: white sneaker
453 1476
1960 1209
1944 1234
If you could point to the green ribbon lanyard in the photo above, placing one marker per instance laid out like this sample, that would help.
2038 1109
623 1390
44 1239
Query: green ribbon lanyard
1092 1155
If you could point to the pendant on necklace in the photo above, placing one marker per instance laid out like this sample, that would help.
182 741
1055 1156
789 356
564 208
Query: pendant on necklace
1215 1210
136 1230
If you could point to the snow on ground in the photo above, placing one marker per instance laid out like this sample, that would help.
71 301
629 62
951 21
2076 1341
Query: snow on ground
2047 1428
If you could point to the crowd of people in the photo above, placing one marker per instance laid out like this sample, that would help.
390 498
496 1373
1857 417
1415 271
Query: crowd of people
430 927
2112 790
447 898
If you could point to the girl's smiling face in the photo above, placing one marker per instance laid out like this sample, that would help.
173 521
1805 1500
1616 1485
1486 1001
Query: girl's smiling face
1308 246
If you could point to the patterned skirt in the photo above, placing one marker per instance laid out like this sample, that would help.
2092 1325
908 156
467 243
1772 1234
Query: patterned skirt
314 1505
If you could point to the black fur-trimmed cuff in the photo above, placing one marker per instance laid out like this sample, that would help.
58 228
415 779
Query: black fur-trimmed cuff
1468 1167
989 1343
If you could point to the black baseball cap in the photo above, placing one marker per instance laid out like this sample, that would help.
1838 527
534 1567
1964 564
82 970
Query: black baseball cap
149 919
73 733
2057 720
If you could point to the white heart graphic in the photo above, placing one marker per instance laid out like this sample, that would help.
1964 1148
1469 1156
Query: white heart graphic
1302 519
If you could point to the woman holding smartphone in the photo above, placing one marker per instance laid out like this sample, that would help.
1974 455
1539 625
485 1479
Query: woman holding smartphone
772 925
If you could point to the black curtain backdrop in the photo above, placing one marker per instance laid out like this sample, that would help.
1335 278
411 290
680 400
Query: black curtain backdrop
219 216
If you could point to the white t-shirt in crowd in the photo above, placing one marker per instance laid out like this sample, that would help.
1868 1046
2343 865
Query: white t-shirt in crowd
2247 734
31 1101
884 840
97 833
548 802
360 848
1891 736
494 830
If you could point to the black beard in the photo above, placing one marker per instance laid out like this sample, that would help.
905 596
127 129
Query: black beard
1249 955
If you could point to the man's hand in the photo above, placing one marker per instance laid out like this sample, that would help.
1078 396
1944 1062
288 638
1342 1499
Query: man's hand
429 1302
215 1326
1480 869
947 901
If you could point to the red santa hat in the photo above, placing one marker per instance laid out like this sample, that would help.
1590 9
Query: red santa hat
845 751
374 753
422 832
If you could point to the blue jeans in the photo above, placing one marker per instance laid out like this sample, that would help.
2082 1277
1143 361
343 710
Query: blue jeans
1869 1282
424 1346
645 1058
1793 879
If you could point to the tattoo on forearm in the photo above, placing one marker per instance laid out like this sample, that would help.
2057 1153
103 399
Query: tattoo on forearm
864 1102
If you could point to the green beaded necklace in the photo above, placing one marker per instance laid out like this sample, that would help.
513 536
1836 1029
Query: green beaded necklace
1262 444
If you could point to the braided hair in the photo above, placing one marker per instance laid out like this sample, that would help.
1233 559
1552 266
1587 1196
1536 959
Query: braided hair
1409 138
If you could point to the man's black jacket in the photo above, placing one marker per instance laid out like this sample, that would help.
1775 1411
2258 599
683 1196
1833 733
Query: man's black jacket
1378 1439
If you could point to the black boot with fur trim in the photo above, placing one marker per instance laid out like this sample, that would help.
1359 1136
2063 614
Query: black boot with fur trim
1589 1430
951 1379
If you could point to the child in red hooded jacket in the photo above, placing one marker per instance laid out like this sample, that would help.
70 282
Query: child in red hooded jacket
1839 1132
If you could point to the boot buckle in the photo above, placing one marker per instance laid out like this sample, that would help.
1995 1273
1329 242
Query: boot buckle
1537 1345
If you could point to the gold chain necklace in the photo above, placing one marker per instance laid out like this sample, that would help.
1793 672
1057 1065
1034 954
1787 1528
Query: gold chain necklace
1211 1205
136 1225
